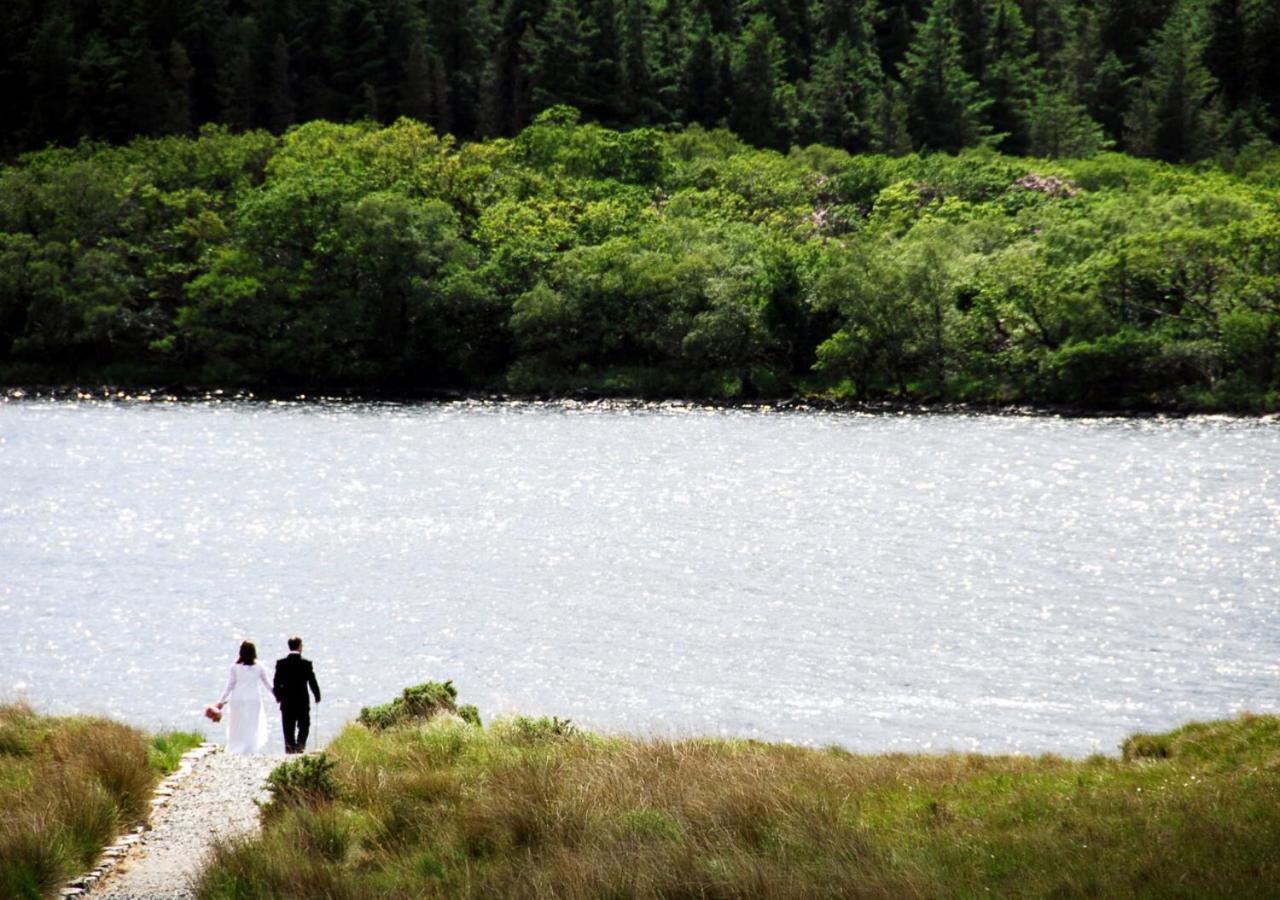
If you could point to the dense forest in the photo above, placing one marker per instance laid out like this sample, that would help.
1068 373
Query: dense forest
1169 79
646 261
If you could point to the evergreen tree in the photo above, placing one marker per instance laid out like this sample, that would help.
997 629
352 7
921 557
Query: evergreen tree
892 133
417 94
1010 78
757 72
559 69
842 95
604 85
1059 127
702 92
280 107
670 49
236 88
1173 115
639 103
945 106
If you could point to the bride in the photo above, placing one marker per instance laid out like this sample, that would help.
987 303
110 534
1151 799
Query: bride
247 717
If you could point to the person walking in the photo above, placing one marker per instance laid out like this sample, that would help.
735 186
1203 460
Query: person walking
247 715
294 675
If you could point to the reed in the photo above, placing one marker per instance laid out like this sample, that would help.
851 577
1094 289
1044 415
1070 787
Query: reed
529 808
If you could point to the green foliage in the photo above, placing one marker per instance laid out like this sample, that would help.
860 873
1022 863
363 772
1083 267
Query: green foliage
164 753
415 704
305 781
946 103
67 787
527 730
1176 80
478 813
575 257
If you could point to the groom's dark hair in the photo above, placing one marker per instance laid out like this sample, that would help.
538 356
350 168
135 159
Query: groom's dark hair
295 643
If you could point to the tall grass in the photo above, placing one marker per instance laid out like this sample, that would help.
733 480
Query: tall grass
530 808
67 786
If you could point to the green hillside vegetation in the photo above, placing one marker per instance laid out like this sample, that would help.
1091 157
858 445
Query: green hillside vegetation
640 263
539 808
68 786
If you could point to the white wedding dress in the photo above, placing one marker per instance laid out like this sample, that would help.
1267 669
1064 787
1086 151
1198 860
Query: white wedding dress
245 709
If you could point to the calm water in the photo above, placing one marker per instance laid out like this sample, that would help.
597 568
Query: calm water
894 582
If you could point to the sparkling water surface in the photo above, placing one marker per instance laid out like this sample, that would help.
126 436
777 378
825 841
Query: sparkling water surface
887 582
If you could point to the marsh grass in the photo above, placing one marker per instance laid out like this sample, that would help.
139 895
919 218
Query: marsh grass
535 808
67 786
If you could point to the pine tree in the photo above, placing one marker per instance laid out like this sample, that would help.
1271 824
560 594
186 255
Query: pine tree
417 95
945 105
180 73
1060 127
702 91
892 134
236 88
639 103
603 87
1174 115
558 70
1010 77
841 96
757 73
280 108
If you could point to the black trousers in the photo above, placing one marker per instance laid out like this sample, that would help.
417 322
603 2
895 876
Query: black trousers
297 725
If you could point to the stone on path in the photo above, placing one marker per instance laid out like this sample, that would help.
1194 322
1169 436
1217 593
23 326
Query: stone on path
215 800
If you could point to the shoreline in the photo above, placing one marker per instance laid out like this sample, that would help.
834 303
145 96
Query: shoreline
589 399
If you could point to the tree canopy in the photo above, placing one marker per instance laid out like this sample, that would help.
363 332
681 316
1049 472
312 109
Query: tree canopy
1172 79
640 262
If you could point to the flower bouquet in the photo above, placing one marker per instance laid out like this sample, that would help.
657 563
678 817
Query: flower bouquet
213 712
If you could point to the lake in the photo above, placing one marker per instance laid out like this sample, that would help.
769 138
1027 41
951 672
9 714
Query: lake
882 582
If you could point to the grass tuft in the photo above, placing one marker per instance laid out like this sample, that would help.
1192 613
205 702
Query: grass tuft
67 786
165 751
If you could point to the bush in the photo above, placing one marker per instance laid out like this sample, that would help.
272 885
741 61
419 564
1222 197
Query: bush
305 781
528 730
415 704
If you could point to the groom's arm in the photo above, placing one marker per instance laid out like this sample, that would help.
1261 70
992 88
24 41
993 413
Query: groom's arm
311 680
276 682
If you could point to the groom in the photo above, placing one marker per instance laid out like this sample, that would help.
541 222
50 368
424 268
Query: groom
293 676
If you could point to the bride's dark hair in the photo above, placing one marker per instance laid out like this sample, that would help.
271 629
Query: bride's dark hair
248 654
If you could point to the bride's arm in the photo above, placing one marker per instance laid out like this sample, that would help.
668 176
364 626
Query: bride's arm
266 683
231 682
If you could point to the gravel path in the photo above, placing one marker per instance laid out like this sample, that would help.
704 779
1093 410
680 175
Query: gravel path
215 800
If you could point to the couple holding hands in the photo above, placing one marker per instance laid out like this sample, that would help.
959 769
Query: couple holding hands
246 693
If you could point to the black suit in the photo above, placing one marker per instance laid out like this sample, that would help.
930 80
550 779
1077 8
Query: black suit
293 676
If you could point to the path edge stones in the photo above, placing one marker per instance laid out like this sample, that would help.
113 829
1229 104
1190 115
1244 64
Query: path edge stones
120 849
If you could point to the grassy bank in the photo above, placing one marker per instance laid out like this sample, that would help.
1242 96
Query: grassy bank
67 787
398 807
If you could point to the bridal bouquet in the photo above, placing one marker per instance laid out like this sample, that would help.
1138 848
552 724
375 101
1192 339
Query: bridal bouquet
212 713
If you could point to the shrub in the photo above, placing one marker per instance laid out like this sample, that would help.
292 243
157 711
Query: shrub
307 780
415 704
529 730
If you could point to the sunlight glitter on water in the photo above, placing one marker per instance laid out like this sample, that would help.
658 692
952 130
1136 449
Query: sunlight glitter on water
880 582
